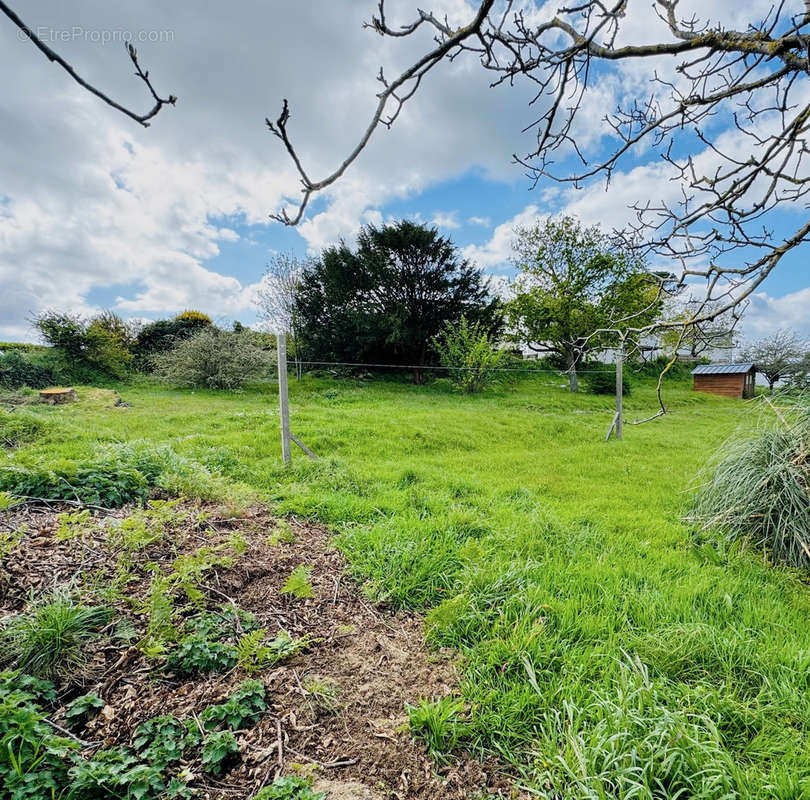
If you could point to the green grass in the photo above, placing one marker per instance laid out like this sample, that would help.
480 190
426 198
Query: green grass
51 638
604 654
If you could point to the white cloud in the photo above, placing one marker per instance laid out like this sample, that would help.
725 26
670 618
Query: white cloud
767 314
497 251
446 219
90 201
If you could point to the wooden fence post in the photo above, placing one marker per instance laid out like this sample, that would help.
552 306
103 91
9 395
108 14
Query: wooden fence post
619 388
283 397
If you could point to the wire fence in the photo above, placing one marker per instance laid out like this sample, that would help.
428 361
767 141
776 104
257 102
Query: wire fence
438 368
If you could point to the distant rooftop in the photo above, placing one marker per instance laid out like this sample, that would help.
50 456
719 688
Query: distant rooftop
722 369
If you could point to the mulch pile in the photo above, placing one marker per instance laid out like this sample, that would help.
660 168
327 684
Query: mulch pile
375 656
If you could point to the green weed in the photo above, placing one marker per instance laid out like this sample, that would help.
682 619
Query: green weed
51 638
438 723
81 710
290 787
163 740
299 584
240 710
218 751
73 525
323 694
10 539
254 653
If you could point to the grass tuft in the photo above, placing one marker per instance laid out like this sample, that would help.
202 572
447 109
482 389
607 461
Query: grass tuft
51 638
757 491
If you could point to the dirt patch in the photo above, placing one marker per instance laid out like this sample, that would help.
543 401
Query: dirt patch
372 661
345 790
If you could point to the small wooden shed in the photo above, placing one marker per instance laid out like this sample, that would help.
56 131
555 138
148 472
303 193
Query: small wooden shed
729 380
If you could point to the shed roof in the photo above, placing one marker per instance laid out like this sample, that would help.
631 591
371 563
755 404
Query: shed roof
722 369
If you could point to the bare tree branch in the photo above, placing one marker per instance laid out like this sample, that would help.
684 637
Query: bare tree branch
394 94
730 177
54 57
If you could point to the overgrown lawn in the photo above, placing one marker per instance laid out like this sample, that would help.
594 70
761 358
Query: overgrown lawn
606 653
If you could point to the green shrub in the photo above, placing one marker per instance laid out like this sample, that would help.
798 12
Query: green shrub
51 638
66 332
102 343
18 370
164 334
757 489
213 359
21 347
469 355
109 340
19 427
679 371
603 381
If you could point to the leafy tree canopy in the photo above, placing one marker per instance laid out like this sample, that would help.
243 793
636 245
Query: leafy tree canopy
572 282
164 334
385 300
102 343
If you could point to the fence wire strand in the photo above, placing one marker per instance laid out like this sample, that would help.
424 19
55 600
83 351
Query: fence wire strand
559 372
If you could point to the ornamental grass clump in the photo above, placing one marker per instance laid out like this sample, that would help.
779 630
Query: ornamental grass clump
757 491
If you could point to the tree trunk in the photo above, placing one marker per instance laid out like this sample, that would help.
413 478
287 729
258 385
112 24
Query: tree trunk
573 382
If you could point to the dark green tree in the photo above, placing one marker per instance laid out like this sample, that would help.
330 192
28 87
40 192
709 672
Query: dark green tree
573 282
162 335
385 300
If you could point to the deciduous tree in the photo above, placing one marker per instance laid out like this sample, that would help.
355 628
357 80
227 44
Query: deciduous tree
572 283
779 356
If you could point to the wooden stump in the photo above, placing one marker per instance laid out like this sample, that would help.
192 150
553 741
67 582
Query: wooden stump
58 394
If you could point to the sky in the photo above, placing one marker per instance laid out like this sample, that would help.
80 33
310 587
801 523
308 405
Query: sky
97 212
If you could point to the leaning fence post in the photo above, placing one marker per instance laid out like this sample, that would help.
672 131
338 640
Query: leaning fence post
283 397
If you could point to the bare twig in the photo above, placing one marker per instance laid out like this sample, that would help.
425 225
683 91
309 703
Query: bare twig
66 732
53 56
717 229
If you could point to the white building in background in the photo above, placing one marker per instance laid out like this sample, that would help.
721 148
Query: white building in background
722 349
